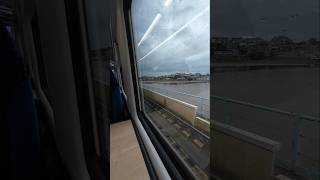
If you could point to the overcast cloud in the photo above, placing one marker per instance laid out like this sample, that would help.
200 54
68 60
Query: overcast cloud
187 22
297 19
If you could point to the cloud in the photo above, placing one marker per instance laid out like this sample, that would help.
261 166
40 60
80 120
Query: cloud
266 18
187 23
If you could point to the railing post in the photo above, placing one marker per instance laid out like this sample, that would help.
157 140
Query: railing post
295 141
209 108
201 108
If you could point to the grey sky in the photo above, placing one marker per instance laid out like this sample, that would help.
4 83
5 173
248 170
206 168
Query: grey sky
188 50
298 19
179 42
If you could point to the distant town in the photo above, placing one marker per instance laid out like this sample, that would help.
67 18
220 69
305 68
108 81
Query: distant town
179 77
248 48
278 50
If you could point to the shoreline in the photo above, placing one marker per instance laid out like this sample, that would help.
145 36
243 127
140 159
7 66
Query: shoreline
175 82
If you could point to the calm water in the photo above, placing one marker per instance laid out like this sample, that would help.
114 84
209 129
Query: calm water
294 89
197 89
290 89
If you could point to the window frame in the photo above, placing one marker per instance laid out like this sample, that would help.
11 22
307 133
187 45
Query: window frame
175 165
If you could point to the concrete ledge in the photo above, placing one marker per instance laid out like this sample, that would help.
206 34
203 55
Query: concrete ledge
182 109
159 98
202 124
282 177
238 154
248 137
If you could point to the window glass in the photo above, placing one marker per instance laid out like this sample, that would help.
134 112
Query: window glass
266 76
172 53
99 22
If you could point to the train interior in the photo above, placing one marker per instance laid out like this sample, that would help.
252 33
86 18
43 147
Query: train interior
75 106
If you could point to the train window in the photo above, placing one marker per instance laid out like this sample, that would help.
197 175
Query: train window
266 77
172 53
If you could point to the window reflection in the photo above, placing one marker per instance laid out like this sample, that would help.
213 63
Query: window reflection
266 76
